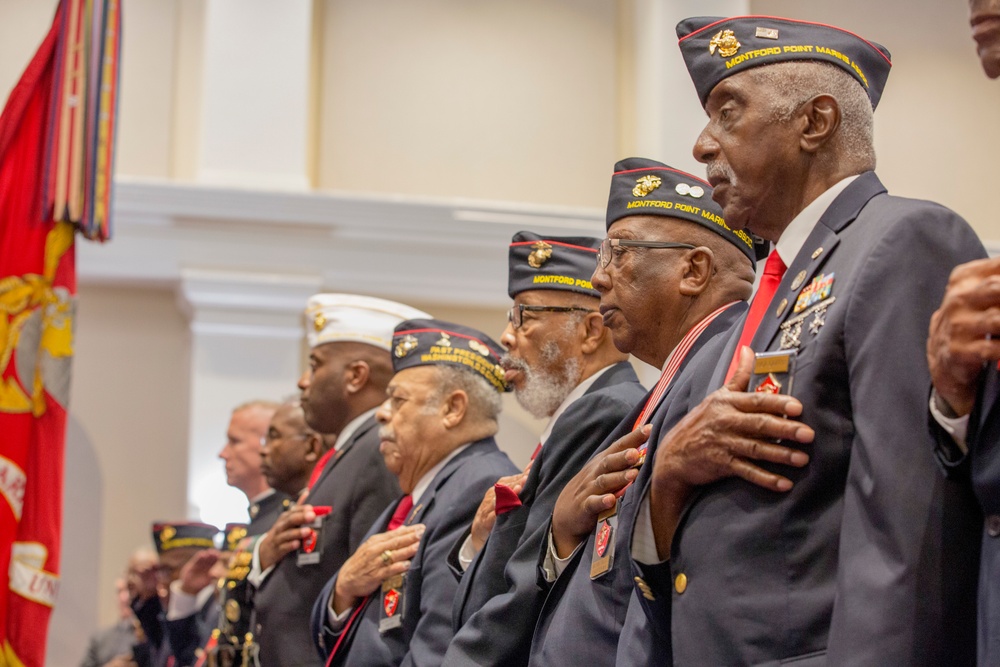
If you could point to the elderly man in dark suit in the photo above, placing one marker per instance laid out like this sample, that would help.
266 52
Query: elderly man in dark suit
563 364
862 556
672 276
349 368
963 350
390 603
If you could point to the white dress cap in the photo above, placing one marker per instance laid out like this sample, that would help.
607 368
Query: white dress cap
352 317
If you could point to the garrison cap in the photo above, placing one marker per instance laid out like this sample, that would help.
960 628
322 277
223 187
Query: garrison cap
355 318
714 47
170 536
552 262
641 186
426 342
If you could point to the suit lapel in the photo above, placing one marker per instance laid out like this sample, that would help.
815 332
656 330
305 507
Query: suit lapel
426 499
819 246
366 426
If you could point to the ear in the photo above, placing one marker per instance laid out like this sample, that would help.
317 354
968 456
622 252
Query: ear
455 406
698 270
594 332
822 118
314 447
356 376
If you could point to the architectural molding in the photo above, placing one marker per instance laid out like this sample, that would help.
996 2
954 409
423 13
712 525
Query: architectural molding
441 250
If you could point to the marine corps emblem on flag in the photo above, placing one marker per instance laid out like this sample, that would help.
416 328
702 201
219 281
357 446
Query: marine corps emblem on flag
541 252
725 41
603 538
645 185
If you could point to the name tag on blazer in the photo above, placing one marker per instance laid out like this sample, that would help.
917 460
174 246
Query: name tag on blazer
773 372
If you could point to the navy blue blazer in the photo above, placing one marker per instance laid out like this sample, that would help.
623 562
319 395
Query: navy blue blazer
498 598
867 560
581 618
446 508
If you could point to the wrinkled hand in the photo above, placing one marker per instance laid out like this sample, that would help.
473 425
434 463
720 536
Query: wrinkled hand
197 572
486 515
958 343
593 490
721 438
366 569
287 533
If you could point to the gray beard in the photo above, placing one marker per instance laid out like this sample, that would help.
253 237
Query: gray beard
543 392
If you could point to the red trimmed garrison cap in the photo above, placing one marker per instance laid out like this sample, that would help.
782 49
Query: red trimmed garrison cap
439 343
714 48
641 186
552 262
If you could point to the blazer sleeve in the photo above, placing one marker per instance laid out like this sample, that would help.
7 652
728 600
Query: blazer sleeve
904 526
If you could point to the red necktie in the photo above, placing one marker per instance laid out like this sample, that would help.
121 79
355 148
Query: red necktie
774 270
537 450
402 509
320 466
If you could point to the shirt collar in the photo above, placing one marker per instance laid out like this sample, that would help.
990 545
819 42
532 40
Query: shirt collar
425 481
261 497
352 427
577 392
798 230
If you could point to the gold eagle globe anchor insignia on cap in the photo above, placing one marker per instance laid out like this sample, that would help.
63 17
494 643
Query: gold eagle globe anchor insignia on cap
645 185
405 346
319 322
541 252
727 44
167 534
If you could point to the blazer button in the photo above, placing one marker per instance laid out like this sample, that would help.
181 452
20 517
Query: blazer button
993 525
680 583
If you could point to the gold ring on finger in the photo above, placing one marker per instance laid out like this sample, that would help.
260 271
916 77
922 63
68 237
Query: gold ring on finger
386 557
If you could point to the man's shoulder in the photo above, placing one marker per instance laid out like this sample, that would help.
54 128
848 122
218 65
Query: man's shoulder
619 392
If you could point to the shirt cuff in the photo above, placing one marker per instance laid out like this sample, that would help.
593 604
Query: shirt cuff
643 539
553 566
257 576
956 427
466 554
184 604
335 621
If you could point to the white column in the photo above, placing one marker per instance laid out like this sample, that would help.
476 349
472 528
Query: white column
667 111
246 343
255 94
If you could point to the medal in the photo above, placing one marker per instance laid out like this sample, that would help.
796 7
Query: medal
311 550
391 613
604 542
773 372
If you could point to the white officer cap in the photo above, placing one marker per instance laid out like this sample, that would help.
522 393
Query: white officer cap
332 318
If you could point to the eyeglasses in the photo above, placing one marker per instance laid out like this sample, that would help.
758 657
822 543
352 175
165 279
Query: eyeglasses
516 314
604 255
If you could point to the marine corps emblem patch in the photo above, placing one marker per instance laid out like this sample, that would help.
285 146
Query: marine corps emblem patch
540 253
645 185
319 322
725 41
405 346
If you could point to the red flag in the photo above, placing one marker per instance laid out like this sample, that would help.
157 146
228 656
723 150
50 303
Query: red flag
38 295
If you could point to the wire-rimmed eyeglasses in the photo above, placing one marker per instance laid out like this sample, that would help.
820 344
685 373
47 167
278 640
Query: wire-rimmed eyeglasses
604 255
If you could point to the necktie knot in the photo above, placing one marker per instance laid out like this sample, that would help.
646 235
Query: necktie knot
774 266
